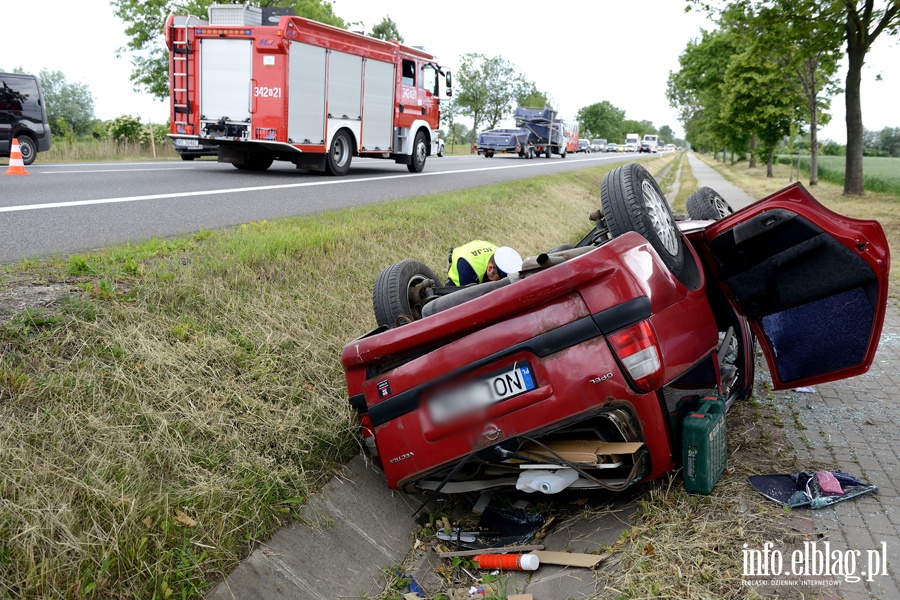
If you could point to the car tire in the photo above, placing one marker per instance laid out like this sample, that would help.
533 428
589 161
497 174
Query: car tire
420 153
340 155
28 149
396 297
188 157
707 204
632 201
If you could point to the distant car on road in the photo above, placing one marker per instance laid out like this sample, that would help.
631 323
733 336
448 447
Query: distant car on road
612 147
191 149
584 145
598 145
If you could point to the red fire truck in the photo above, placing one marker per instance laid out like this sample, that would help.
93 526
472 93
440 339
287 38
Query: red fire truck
299 91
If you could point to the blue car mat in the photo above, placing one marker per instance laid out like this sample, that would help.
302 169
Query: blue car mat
802 489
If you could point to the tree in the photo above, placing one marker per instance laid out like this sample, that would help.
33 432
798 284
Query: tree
805 54
145 21
861 23
529 96
861 28
696 91
602 119
486 88
386 30
70 106
666 133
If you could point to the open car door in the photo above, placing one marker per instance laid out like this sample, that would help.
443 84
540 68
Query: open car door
812 283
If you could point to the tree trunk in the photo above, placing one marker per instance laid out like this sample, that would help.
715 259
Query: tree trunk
753 142
770 164
856 56
812 94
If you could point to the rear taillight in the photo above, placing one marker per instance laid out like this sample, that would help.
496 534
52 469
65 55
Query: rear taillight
636 348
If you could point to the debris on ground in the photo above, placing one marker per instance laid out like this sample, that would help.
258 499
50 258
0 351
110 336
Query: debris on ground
816 489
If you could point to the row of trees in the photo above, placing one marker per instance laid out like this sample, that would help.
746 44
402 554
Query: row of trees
770 71
606 121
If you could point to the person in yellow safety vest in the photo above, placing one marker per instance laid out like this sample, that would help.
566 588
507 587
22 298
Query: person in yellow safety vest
480 261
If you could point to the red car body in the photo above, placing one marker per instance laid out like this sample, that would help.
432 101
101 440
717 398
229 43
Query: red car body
809 283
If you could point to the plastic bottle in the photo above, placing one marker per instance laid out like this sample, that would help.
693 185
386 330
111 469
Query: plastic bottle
547 482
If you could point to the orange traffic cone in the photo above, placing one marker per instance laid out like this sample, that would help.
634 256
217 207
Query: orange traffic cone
16 165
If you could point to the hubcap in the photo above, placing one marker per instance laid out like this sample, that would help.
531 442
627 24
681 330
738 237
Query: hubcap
420 152
660 218
340 151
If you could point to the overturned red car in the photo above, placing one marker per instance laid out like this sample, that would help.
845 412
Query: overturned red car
579 362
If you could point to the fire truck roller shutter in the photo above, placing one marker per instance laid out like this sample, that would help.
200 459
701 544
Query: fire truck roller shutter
225 73
378 105
306 109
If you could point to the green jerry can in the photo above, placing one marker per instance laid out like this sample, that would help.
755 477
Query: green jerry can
704 445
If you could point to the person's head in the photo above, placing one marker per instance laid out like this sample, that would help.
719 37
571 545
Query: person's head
504 261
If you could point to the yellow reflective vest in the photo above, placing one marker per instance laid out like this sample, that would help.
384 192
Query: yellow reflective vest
477 253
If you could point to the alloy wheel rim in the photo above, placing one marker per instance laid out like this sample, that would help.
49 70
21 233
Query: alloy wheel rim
660 218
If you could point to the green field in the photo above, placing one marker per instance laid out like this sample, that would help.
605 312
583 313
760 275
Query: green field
880 173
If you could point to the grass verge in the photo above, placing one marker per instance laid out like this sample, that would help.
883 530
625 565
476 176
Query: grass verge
173 402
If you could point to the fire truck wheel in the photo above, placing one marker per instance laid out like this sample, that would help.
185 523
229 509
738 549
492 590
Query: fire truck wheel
632 201
397 296
338 158
705 203
440 151
420 152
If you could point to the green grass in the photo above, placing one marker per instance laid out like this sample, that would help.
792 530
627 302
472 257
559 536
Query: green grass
880 174
185 395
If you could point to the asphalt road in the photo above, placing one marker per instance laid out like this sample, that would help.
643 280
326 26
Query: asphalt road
70 208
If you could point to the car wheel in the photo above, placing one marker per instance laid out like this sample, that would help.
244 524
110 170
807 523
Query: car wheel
707 204
397 296
338 159
419 154
188 157
562 154
28 149
632 201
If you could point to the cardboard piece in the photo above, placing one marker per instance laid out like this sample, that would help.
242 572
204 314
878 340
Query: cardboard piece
570 559
520 597
587 452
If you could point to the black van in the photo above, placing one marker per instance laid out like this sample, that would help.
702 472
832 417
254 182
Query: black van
23 116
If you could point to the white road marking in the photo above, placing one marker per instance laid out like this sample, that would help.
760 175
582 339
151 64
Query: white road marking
262 188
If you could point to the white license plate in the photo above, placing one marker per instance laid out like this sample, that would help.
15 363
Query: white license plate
476 396
189 143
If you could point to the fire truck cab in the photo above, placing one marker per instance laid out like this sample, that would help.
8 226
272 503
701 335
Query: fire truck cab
300 91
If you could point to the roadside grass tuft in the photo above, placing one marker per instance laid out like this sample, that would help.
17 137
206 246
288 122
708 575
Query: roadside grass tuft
177 399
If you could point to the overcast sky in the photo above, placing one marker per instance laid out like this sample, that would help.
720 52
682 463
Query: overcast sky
578 51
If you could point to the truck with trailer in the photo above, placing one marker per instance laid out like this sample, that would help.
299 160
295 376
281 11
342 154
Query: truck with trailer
300 91
538 133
